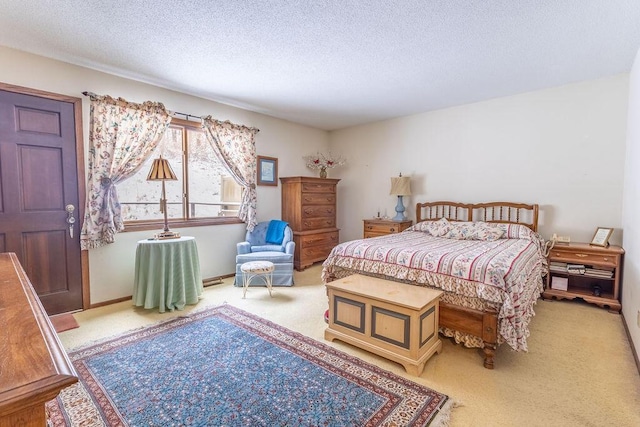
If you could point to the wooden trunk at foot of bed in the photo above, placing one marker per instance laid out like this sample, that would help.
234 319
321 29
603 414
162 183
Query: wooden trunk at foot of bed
483 324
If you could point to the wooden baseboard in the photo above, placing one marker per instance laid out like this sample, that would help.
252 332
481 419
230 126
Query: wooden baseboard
113 301
633 347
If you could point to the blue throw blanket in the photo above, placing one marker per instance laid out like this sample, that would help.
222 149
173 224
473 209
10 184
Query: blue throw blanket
275 232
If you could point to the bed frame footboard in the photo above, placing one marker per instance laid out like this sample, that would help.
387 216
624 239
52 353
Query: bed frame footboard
483 324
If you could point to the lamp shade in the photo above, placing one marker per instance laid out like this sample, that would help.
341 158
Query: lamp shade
400 186
161 171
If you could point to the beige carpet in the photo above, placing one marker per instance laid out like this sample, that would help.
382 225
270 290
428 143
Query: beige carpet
579 370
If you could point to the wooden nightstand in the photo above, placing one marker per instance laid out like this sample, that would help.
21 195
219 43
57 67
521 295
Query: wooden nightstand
379 227
599 284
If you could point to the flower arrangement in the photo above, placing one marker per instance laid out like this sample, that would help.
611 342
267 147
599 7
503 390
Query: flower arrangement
323 162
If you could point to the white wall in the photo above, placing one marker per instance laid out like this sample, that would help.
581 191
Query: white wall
112 267
631 212
562 148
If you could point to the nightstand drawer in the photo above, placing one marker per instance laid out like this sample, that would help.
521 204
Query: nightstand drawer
577 257
381 227
384 228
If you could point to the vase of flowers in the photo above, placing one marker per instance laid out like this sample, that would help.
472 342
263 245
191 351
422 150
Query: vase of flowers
324 162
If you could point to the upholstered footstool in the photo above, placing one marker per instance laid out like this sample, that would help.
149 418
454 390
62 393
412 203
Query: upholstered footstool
263 269
283 266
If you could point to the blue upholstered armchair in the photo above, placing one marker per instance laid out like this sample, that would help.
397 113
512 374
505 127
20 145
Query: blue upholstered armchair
256 248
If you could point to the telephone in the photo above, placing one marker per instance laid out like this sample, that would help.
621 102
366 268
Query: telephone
549 244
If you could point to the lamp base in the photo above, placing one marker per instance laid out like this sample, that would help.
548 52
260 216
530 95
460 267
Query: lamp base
166 235
399 211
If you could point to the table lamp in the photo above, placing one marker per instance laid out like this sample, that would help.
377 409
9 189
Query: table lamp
161 171
400 186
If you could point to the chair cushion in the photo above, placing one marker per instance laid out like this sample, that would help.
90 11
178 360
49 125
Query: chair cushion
274 257
267 248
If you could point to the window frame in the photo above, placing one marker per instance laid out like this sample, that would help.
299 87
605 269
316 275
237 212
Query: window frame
147 224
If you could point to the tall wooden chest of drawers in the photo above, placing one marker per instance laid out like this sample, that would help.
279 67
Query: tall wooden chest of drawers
309 206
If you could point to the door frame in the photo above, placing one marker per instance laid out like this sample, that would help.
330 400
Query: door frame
77 111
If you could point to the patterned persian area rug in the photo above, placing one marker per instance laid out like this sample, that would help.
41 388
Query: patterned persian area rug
226 367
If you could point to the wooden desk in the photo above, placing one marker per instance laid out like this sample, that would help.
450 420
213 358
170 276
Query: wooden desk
34 366
167 274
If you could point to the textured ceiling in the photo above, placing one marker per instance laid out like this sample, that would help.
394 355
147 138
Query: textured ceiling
332 64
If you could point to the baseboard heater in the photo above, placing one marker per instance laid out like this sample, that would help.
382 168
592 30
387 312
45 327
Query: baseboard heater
212 281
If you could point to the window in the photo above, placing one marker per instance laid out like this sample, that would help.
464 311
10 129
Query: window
204 193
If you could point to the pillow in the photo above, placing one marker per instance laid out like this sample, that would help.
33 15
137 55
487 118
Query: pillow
434 228
474 231
516 231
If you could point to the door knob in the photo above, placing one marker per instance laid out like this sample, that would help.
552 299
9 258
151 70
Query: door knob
70 219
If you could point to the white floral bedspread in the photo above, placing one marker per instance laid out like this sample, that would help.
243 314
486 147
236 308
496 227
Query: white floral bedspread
503 274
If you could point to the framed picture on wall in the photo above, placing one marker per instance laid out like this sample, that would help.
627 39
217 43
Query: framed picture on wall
267 170
601 236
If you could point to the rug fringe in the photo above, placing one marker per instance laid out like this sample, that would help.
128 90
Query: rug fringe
443 419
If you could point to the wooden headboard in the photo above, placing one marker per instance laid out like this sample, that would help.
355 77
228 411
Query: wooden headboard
497 212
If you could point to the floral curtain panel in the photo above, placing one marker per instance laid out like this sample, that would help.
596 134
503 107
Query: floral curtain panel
236 148
121 136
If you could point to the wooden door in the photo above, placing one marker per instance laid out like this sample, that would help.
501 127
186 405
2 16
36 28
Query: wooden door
38 183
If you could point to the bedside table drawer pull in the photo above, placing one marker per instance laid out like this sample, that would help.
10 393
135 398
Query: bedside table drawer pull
581 255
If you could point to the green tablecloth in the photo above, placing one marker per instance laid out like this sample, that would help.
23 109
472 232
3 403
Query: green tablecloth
167 274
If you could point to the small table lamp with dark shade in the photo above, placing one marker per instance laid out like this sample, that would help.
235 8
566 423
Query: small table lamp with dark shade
400 186
161 171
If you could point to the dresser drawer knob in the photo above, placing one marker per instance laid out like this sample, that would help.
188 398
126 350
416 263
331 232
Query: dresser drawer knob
392 229
582 255
606 259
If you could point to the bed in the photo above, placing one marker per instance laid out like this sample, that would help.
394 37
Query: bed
486 257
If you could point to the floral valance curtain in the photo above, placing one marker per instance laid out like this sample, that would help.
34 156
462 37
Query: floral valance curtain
236 148
122 136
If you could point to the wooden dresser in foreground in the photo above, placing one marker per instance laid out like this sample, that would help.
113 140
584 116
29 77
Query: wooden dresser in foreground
597 283
34 366
381 227
309 206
